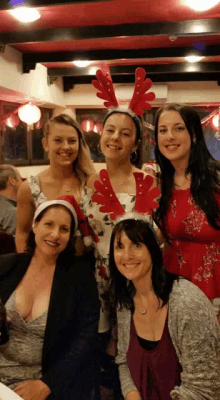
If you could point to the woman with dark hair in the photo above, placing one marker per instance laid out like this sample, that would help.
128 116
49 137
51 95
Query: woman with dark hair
168 335
70 167
188 214
52 302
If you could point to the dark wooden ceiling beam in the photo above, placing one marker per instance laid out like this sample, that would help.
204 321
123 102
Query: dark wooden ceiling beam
10 4
178 68
69 82
100 55
178 28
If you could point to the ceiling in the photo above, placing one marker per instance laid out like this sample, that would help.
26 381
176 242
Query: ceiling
126 33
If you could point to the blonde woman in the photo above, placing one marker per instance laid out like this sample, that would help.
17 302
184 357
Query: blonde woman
70 167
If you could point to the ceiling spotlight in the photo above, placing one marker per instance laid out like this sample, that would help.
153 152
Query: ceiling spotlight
25 14
193 59
201 5
81 64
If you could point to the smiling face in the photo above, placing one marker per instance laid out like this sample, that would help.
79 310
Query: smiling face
132 260
118 139
52 232
62 144
174 140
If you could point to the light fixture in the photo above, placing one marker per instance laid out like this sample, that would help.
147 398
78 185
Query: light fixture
201 5
215 121
25 14
81 63
29 114
12 121
193 59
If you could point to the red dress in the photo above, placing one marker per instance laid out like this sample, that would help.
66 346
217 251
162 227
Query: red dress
195 246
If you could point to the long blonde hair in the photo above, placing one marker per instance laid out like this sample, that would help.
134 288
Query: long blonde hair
83 165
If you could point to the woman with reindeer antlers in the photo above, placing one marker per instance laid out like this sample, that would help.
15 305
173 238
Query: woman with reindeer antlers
120 141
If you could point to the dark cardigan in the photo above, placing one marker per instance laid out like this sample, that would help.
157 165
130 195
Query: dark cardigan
72 322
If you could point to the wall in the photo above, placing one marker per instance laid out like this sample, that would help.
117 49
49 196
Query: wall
84 96
33 85
36 169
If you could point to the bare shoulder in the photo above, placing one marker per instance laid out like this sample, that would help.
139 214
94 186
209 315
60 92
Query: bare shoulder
24 192
91 179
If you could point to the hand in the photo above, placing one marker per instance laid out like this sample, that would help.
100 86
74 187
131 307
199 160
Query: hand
133 395
33 390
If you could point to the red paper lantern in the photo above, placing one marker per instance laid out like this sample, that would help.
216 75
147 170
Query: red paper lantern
87 125
39 124
12 121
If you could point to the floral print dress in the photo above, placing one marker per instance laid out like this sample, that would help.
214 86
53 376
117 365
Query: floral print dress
195 246
103 226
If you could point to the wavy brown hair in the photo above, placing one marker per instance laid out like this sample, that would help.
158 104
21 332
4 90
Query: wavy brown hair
83 165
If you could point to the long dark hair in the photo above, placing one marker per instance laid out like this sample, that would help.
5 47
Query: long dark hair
122 291
31 244
204 169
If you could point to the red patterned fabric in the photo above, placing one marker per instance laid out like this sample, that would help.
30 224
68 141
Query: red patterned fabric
195 246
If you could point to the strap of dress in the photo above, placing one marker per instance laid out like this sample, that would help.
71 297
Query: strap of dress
38 196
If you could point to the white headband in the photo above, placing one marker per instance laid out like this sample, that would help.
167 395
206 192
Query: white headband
64 203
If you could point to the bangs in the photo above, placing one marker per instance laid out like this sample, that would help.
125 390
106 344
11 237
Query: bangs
132 229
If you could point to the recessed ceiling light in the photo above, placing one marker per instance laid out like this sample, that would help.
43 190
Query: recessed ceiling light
193 59
25 14
81 64
201 5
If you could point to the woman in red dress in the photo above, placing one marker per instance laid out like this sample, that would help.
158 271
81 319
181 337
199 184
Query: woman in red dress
188 214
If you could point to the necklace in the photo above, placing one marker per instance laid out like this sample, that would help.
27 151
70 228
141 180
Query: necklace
126 179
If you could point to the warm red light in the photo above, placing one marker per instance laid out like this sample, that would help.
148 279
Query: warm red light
87 125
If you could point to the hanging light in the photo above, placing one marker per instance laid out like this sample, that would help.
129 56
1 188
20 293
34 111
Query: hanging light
29 113
12 121
215 121
87 125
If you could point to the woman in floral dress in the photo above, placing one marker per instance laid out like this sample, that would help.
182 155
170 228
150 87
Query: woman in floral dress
70 166
188 214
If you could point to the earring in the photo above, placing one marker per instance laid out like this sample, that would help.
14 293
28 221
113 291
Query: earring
134 156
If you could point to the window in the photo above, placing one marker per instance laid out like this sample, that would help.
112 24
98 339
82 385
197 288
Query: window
18 145
91 124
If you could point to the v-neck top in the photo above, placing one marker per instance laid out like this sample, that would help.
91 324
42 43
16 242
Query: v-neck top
154 372
21 357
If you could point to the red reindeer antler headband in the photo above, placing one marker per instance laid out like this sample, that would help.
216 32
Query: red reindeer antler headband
140 98
145 197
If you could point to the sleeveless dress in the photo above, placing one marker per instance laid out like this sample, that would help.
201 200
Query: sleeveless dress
21 357
39 197
195 246
155 372
102 226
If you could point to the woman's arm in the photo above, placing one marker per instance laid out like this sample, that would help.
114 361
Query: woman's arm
127 385
25 214
196 337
